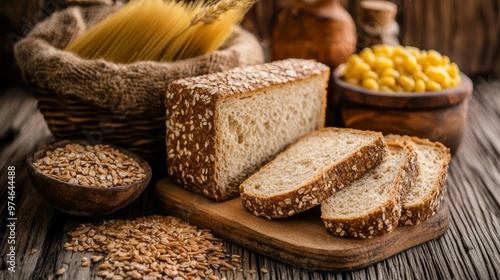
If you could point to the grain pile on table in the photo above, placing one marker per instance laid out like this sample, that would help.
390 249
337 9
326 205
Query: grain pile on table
91 165
153 247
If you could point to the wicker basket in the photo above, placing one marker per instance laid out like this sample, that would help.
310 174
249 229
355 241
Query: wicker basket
74 119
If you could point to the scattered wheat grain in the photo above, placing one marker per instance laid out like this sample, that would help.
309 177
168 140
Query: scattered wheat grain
153 247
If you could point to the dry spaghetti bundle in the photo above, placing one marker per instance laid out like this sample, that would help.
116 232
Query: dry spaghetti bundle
161 30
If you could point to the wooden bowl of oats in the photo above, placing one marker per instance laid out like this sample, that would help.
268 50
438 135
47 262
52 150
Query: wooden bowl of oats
83 179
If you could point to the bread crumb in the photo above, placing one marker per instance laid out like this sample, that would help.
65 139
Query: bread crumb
33 251
264 270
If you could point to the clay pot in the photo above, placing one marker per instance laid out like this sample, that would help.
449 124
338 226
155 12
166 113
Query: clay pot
315 29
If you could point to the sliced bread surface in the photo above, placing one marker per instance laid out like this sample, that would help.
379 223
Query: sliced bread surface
222 127
310 170
371 205
426 193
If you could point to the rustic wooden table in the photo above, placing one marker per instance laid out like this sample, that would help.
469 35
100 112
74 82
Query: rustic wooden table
470 249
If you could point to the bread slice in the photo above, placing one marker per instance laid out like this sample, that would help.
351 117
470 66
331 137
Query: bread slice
428 190
312 169
371 205
223 127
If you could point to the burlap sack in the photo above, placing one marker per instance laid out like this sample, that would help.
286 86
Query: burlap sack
135 89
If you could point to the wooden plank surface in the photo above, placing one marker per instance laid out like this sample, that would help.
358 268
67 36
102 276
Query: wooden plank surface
470 249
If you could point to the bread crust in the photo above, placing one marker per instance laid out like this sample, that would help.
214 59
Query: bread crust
417 213
322 186
191 139
384 219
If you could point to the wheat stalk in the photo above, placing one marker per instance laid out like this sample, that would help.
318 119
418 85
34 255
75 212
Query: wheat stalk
213 12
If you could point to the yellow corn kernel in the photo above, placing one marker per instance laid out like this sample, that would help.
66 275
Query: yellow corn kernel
401 70
406 82
422 59
446 82
398 61
441 71
431 71
445 60
389 72
432 86
411 64
370 83
382 63
434 57
453 70
367 55
369 74
353 81
420 75
348 67
386 89
354 58
398 88
382 50
347 71
387 81
419 85
455 81
414 51
442 77
400 51
359 68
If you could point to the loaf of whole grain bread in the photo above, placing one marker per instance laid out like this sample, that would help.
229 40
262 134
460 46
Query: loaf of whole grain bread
223 127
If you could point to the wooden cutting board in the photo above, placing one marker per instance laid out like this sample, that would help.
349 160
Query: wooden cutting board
301 240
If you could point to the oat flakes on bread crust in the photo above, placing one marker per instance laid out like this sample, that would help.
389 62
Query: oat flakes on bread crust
371 205
321 183
427 192
222 127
